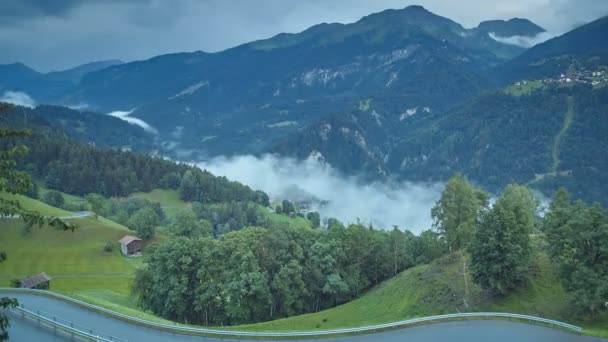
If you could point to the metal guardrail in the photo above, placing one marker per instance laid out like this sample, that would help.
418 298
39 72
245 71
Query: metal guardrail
67 326
228 333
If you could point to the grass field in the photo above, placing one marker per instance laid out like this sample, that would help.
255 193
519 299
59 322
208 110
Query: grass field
76 259
168 199
32 204
295 221
70 200
524 87
58 252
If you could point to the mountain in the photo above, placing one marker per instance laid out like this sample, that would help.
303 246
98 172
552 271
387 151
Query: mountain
45 87
243 99
510 28
544 131
86 127
19 77
76 74
583 47
554 136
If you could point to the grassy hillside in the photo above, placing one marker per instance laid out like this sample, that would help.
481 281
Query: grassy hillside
76 260
441 288
168 199
32 204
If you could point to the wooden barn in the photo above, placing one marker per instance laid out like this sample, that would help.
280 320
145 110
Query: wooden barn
130 245
41 281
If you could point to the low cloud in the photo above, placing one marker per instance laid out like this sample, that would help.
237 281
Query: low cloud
523 41
18 98
405 204
124 115
79 106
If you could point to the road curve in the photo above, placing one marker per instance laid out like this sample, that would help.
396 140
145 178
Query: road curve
469 331
75 215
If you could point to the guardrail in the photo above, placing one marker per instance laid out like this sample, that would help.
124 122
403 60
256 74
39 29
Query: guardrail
67 326
322 333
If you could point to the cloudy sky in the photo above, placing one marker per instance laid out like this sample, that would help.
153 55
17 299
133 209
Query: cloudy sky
58 34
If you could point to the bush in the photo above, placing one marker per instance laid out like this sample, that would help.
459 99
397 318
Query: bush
109 246
15 282
53 198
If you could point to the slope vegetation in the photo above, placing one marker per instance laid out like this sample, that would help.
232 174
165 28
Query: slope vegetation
76 260
441 288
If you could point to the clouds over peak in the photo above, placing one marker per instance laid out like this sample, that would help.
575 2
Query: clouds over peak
523 41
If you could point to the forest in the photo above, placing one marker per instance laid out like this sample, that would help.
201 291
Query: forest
259 274
79 169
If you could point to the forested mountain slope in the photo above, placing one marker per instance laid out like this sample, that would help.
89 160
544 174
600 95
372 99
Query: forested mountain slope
495 139
45 87
86 127
583 47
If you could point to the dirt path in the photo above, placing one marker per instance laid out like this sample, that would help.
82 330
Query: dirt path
558 138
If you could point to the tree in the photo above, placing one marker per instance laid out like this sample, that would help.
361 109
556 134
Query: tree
33 192
144 222
288 207
96 202
456 212
577 237
429 246
17 182
401 250
188 187
314 218
500 249
186 224
53 198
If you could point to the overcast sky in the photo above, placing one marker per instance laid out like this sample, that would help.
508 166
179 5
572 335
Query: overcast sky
58 34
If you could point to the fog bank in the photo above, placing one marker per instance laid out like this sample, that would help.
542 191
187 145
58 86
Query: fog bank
407 205
524 41
124 115
18 98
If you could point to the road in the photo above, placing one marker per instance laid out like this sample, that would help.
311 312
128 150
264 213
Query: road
469 331
78 214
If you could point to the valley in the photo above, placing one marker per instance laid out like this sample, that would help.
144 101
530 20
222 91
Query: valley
347 175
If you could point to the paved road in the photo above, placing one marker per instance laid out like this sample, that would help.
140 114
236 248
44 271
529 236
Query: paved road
125 275
465 331
78 214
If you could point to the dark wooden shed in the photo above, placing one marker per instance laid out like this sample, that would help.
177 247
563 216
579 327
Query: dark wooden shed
41 281
130 245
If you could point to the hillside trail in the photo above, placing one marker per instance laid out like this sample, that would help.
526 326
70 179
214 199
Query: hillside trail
554 169
466 284
558 138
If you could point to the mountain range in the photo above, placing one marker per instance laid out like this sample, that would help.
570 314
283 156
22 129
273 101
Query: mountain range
401 93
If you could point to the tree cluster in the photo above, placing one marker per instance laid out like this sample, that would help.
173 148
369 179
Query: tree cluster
577 237
258 274
80 169
498 237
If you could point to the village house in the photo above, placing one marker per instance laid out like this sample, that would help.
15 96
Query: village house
41 281
130 245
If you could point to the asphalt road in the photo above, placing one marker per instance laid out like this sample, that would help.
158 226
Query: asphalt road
465 331
78 214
